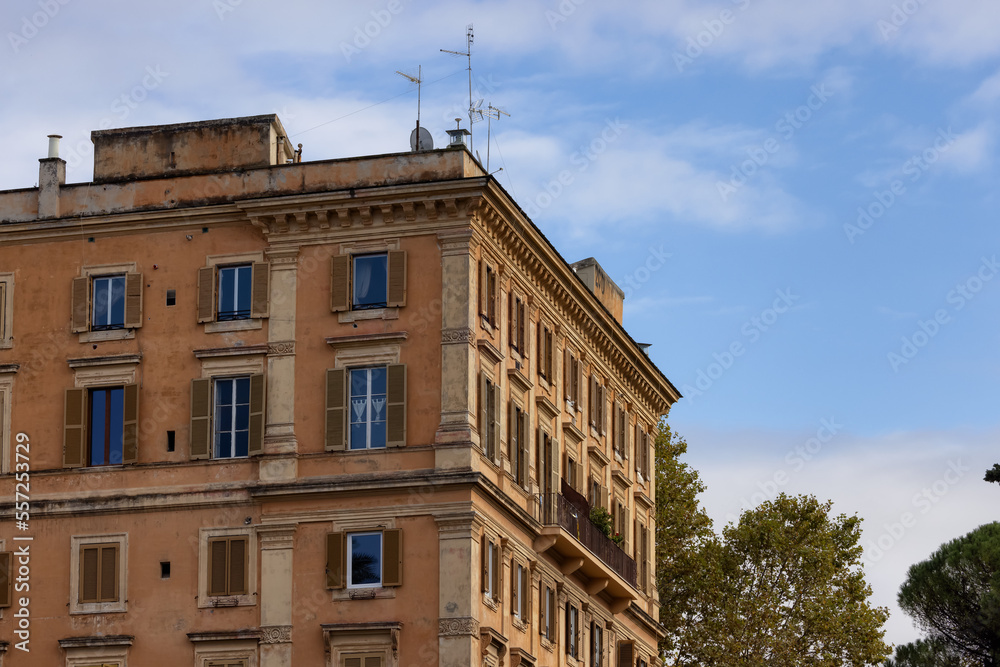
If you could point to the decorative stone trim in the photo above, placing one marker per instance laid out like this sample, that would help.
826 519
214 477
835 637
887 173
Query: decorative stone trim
112 360
96 640
462 335
276 634
458 627
283 348
224 635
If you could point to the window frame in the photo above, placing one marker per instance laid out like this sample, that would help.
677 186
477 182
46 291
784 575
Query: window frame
208 292
206 536
596 643
518 320
520 586
573 632
203 432
108 426
82 302
489 417
491 556
6 310
519 442
545 355
342 272
349 557
94 300
547 613
337 402
489 294
338 560
78 417
382 303
240 269
77 545
230 591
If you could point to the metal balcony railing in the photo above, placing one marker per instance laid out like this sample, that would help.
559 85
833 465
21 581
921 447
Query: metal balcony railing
556 509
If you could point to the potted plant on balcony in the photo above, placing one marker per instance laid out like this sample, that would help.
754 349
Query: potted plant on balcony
618 538
601 518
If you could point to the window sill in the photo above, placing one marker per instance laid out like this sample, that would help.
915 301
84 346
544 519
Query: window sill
99 608
6 343
111 334
233 325
490 602
547 644
519 624
222 601
348 316
361 594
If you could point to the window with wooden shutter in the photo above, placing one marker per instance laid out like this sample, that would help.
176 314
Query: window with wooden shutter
340 283
75 428
6 578
336 409
206 294
392 557
98 573
133 300
396 406
228 565
396 289
335 561
260 294
362 660
626 654
201 418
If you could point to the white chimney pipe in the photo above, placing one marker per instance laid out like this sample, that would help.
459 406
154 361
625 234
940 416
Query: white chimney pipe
54 145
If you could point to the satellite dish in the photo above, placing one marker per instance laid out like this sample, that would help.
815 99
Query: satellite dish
425 143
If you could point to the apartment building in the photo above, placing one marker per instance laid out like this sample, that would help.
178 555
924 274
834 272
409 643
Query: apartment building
256 411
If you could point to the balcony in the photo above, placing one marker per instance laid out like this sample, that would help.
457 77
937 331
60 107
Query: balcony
583 547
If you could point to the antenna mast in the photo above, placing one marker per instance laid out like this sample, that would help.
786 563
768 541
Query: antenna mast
492 112
417 80
467 54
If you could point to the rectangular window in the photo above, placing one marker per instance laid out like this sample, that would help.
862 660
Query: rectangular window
490 554
232 418
364 560
517 439
572 630
518 324
596 644
227 663
547 624
108 301
228 565
98 573
488 294
235 286
107 426
489 418
363 660
520 585
572 379
368 401
6 578
545 352
368 281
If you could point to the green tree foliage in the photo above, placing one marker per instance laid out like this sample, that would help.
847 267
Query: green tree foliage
682 527
924 653
784 587
993 474
954 595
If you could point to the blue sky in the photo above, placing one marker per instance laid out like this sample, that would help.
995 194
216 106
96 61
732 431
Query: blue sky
792 193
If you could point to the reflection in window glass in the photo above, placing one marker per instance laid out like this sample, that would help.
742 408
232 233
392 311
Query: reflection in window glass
108 303
371 279
368 408
107 425
365 553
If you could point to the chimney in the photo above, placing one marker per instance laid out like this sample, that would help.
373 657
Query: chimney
605 289
456 137
51 176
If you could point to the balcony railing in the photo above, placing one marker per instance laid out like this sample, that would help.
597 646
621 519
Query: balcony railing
556 509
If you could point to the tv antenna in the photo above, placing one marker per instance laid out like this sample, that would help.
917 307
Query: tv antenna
492 113
420 140
468 54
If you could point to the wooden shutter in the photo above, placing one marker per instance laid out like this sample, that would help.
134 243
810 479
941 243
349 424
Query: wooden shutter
335 560
626 654
522 442
625 444
495 425
201 418
109 573
352 662
396 293
336 409
373 661
604 498
75 428
256 414
483 290
206 294
497 572
592 401
567 374
484 558
515 599
6 580
602 408
553 465
237 562
260 291
522 329
133 300
392 557
540 346
395 427
130 431
340 283
89 573
542 618
81 304
484 423
217 567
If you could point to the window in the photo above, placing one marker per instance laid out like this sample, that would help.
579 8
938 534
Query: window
6 310
362 660
489 418
520 587
364 559
517 438
620 515
490 556
547 613
368 281
227 417
227 663
361 644
106 302
98 566
572 378
598 496
545 352
370 411
596 644
626 653
6 579
572 630
598 402
642 556
488 294
642 453
518 324
234 291
620 432
100 426
228 566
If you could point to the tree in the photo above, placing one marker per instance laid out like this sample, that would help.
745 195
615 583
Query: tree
924 653
954 595
682 527
993 474
784 587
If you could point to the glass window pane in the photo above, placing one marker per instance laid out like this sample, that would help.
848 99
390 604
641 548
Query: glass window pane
243 279
366 559
243 391
377 435
99 302
117 308
370 281
227 291
116 424
243 443
98 421
378 378
359 436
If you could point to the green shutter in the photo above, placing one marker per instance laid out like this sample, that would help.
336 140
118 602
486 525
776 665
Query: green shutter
396 405
256 414
336 409
75 428
201 418
130 431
